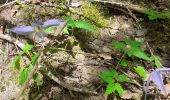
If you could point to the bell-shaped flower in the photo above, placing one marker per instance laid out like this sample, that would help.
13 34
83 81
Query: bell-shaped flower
23 30
52 22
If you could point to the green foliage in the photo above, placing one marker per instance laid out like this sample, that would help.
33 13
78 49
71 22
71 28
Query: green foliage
131 48
37 79
124 63
71 24
26 70
16 62
156 59
113 79
153 15
118 45
95 13
141 71
35 58
24 74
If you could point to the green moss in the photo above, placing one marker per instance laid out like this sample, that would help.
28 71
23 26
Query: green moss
94 13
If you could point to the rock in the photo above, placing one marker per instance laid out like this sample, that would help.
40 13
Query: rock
80 57
105 56
106 49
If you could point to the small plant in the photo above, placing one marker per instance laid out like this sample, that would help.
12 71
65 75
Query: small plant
131 49
114 81
71 24
40 30
25 71
156 77
153 15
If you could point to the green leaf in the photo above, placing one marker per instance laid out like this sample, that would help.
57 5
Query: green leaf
140 54
110 88
118 45
16 62
84 25
27 48
37 79
107 79
108 76
135 44
124 62
50 29
66 30
35 58
111 73
141 71
24 74
157 61
122 78
119 89
70 22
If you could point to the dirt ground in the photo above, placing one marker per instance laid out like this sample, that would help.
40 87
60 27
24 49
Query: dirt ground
89 58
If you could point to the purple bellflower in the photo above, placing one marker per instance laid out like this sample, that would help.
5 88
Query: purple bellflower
27 30
156 77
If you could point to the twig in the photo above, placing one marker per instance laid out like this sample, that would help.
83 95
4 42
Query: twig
14 41
7 4
67 86
150 50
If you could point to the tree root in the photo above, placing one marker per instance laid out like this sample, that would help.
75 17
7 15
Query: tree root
136 8
65 85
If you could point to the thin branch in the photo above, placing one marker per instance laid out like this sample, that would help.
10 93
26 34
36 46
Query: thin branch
65 85
7 4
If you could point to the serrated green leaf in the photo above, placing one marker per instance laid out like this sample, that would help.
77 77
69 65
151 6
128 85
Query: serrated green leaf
16 62
50 29
84 25
108 76
135 44
35 58
122 78
110 88
124 62
141 71
140 54
24 74
119 89
107 79
118 45
111 73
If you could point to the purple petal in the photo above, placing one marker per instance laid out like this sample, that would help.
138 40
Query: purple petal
40 35
38 23
157 79
52 22
163 69
22 30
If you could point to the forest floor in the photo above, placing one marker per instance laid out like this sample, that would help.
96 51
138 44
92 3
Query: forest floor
84 55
